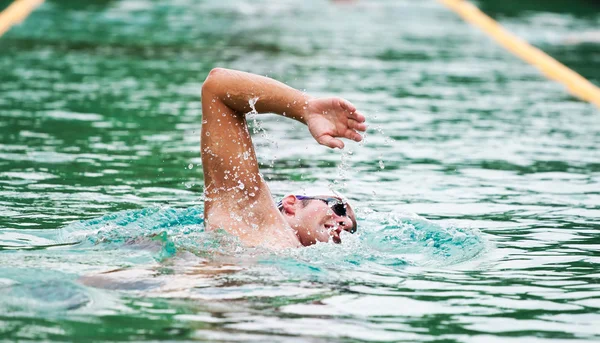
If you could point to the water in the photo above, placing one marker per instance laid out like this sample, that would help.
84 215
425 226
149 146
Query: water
477 187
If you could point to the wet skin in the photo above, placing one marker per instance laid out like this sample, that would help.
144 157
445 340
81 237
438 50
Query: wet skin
237 199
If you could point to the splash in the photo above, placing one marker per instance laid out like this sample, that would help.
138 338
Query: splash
159 250
155 228
393 240
427 242
258 128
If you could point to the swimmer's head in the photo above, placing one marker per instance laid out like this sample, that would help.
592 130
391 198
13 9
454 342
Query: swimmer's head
318 215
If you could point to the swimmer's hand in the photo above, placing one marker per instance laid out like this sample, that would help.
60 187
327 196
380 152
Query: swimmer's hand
331 118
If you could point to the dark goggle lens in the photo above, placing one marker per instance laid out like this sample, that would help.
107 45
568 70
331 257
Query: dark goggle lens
339 209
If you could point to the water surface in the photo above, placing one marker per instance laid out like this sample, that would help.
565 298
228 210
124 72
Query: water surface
477 186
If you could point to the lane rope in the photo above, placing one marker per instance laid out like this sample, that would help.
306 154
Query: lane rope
16 12
575 83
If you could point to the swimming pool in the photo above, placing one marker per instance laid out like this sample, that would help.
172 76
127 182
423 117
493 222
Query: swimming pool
478 183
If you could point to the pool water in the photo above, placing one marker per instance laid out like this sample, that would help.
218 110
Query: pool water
477 186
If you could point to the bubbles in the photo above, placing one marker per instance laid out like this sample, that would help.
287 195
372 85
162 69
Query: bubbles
190 166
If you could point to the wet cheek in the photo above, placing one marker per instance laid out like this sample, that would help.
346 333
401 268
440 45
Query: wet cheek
323 234
323 237
318 230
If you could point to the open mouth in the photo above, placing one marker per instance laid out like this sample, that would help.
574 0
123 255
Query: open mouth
334 233
336 238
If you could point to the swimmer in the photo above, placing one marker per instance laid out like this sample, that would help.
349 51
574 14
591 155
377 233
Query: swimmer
237 199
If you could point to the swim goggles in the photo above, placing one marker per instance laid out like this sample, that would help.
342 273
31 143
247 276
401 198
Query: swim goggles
337 206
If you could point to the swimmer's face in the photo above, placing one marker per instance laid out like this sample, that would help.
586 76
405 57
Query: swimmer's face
315 221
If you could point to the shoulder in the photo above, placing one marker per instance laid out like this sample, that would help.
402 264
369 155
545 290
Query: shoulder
251 216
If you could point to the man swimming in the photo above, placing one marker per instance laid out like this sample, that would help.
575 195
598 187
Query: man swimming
237 199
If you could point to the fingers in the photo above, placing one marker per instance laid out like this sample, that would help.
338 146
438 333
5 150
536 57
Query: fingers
353 124
359 117
351 109
347 105
331 142
353 135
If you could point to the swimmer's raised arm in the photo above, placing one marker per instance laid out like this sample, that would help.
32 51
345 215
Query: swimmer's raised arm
327 118
236 196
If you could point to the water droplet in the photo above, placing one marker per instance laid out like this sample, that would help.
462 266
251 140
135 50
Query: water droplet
190 166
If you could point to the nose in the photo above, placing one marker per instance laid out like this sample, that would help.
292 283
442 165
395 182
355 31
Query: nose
344 223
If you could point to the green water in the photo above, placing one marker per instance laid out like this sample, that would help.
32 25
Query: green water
100 171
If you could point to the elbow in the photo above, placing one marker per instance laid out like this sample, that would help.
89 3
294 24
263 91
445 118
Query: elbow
217 71
213 80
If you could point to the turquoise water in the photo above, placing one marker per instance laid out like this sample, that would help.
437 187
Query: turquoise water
477 187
